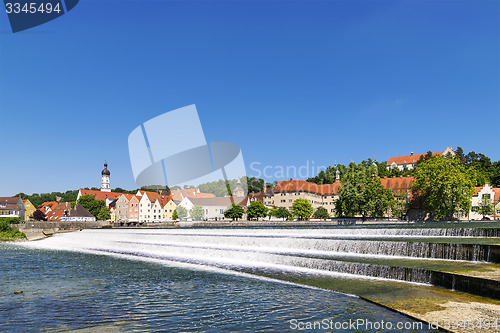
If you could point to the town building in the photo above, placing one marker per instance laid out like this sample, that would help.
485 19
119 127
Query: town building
29 210
12 207
409 161
238 191
78 214
179 194
268 194
107 197
150 209
47 206
213 208
122 211
169 207
133 208
483 195
286 192
64 212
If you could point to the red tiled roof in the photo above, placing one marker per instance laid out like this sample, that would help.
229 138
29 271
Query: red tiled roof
303 186
495 190
409 159
180 194
128 196
398 185
9 200
100 195
497 194
54 215
49 204
62 206
218 201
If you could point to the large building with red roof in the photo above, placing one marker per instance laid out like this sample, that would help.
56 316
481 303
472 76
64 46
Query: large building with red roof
286 192
409 161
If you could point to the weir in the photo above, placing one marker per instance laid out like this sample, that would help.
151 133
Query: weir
385 254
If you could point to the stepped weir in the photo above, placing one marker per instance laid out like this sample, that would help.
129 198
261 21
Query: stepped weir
457 259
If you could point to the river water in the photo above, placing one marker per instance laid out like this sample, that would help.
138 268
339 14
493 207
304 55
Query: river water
96 287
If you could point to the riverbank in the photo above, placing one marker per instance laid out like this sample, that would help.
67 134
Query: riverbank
7 233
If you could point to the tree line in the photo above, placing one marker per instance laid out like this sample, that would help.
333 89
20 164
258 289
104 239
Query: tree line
487 171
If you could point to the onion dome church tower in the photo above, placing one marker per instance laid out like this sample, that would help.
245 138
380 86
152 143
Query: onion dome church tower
105 179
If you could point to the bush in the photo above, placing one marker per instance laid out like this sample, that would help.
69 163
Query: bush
7 234
4 226
10 220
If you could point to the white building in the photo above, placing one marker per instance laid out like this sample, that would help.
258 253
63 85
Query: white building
213 208
12 207
484 194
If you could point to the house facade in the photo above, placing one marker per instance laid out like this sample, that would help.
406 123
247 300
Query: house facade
133 209
122 207
213 208
286 192
168 209
29 210
12 207
485 194
78 214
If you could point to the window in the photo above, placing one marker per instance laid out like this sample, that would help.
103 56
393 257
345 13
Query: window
486 196
289 200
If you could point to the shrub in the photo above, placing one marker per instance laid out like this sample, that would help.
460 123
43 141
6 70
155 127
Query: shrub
10 220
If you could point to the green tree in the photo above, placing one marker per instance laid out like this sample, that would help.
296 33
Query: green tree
181 212
234 211
486 207
196 212
255 185
104 214
280 212
321 213
351 192
255 210
39 215
362 192
91 204
174 215
302 208
445 186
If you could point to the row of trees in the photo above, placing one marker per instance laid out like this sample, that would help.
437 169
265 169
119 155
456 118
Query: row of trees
301 208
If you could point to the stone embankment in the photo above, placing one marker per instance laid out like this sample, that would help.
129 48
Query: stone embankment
40 229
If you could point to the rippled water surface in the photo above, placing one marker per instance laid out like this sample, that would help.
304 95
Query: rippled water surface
64 291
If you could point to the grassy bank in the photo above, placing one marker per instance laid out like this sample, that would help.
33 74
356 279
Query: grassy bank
7 234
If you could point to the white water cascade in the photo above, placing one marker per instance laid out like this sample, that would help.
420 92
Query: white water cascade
331 252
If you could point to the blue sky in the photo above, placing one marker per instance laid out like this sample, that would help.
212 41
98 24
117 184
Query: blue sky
290 82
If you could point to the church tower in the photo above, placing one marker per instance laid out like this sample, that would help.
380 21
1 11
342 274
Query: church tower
105 179
238 190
